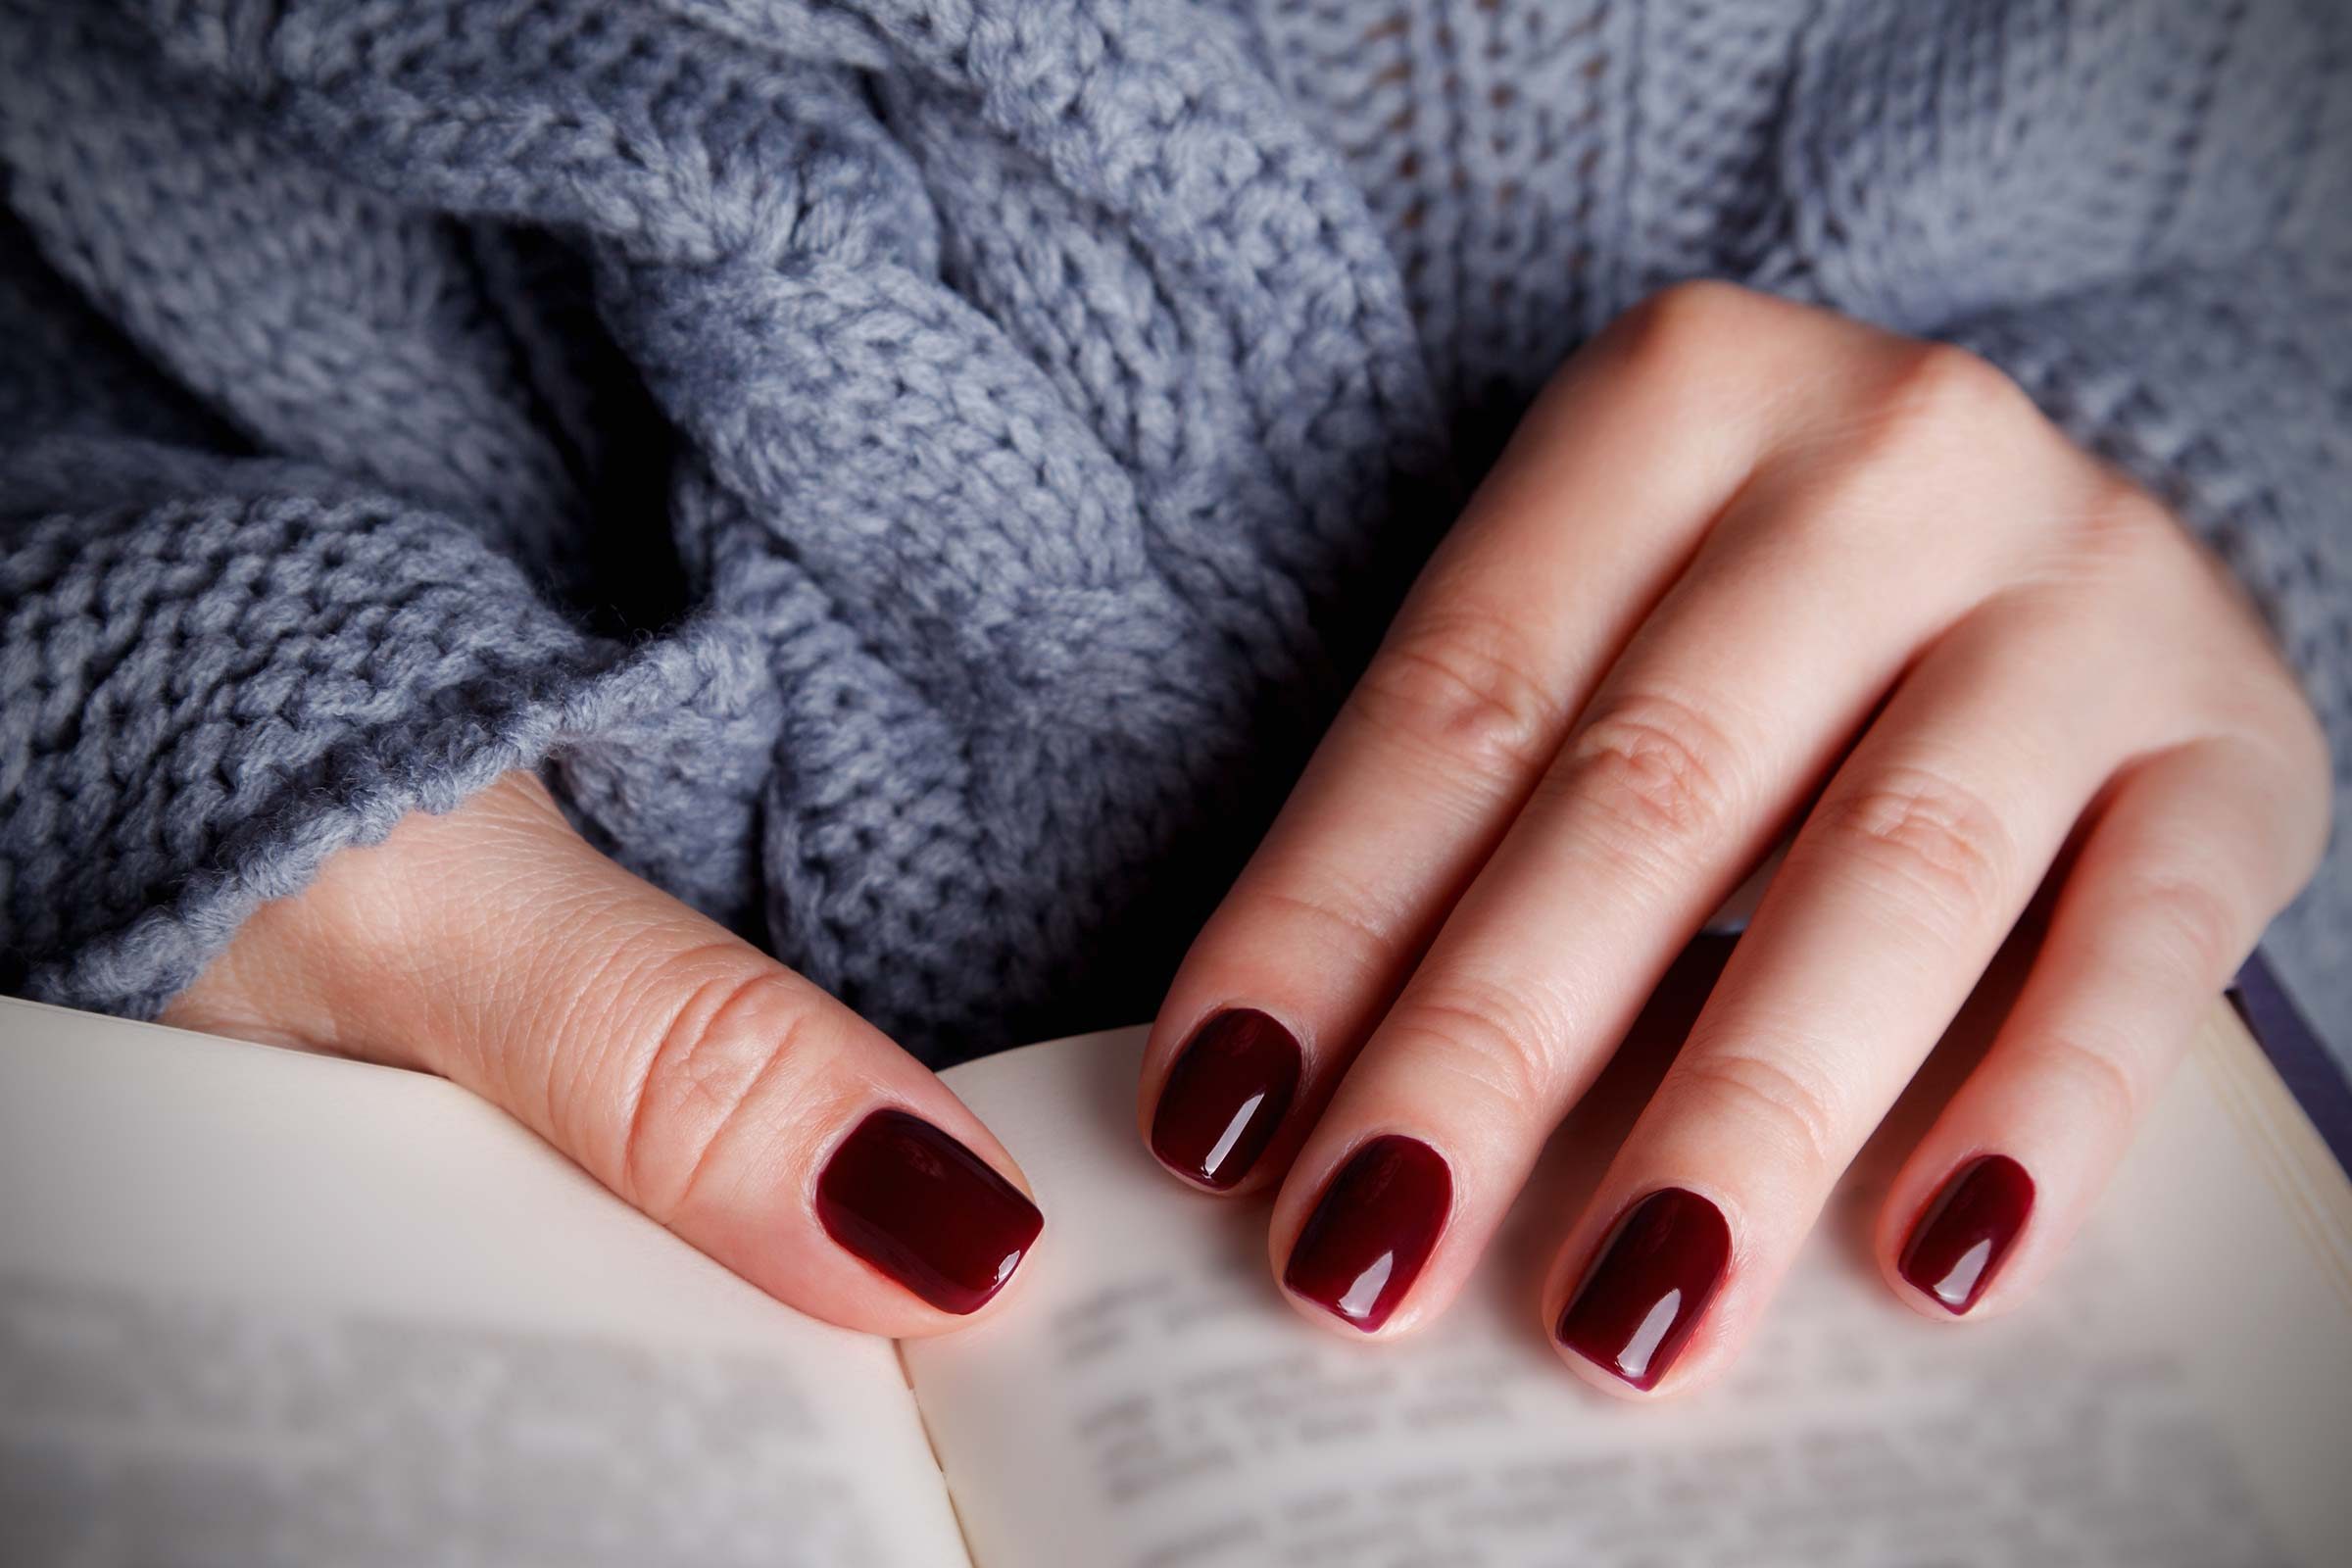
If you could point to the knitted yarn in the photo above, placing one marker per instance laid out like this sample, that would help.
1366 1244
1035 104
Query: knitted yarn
917 475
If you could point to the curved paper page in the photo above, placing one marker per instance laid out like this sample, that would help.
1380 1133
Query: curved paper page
2180 1394
264 1307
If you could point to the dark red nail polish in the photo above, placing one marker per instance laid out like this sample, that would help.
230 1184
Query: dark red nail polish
1225 1097
925 1210
1963 1235
1646 1289
1361 1249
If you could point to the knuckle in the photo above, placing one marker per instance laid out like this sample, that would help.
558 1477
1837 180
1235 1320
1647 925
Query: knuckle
2310 761
2117 509
2094 1070
1801 1112
715 1040
1497 1037
2263 728
2286 744
1335 917
1467 686
1943 390
1683 325
1657 766
1917 832
2192 925
2310 765
2122 537
1933 411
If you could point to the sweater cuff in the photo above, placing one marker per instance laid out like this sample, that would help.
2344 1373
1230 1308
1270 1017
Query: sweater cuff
209 693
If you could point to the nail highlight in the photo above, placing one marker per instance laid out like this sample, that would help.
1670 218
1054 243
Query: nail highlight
1966 1231
1374 1227
1649 1286
1225 1097
925 1210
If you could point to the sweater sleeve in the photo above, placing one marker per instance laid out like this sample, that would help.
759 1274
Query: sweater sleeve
896 468
216 668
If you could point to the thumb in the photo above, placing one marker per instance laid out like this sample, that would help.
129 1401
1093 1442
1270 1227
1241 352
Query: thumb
715 1090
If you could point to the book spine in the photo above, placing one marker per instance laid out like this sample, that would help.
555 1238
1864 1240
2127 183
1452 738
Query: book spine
2312 1073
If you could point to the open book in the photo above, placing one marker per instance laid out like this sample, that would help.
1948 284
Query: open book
264 1307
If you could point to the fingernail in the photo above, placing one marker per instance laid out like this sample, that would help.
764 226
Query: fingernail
925 1210
1361 1249
1225 1096
1964 1234
1649 1286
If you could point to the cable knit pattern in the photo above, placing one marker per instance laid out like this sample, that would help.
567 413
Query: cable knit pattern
917 473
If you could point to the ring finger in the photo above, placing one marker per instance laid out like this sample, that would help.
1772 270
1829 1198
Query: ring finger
1898 891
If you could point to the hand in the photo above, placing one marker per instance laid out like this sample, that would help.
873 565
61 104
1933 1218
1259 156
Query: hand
716 1091
1746 566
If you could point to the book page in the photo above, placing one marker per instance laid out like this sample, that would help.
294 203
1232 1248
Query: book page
264 1307
2181 1393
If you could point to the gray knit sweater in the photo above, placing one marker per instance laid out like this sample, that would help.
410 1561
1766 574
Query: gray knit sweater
917 475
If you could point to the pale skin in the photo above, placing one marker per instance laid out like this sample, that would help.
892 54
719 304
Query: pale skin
1749 572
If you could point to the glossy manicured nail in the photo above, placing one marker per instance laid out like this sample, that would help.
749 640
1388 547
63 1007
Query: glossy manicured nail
1361 1249
1227 1093
1646 1289
1964 1234
925 1210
